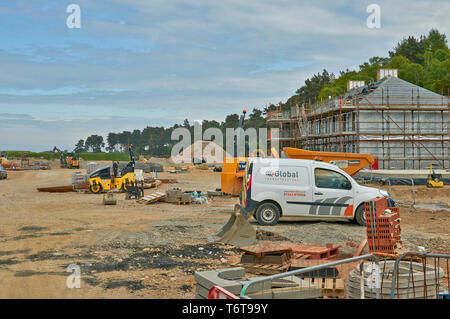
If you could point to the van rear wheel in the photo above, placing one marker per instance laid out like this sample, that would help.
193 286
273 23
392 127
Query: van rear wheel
268 214
360 216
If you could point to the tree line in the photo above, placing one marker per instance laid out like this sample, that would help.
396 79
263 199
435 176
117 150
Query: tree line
156 141
424 61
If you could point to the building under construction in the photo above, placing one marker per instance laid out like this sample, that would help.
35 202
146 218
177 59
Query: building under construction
402 125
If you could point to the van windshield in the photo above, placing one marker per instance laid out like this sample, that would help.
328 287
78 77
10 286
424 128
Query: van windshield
330 179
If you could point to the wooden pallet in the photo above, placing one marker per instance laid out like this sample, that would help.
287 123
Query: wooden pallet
152 198
299 252
332 288
263 269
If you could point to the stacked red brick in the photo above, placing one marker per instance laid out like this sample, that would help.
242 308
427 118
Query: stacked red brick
383 226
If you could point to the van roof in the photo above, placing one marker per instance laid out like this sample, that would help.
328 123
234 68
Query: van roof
290 161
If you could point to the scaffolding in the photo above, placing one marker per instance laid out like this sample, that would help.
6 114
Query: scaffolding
404 126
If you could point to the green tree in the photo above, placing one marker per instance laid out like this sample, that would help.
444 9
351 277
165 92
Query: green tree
435 41
94 143
313 86
411 48
112 140
255 119
79 147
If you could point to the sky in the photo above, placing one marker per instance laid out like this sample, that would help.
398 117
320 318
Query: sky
138 63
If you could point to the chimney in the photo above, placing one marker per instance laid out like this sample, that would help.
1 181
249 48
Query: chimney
386 73
354 84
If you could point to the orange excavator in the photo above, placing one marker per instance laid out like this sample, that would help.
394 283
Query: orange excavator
351 163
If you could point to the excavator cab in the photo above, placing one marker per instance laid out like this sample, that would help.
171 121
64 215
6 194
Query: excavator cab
75 162
72 161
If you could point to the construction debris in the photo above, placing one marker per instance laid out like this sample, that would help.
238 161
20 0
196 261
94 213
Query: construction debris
177 196
414 280
168 180
263 269
383 226
57 189
25 164
152 198
312 252
203 166
153 184
360 248
217 194
108 199
209 152
147 167
233 280
199 198
332 288
270 258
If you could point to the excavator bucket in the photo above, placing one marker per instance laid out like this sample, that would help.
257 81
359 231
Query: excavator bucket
237 231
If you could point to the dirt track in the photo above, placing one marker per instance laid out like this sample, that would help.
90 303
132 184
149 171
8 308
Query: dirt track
150 251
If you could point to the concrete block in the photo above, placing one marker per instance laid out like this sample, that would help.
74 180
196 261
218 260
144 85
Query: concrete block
202 291
289 293
231 273
408 286
231 280
186 198
211 278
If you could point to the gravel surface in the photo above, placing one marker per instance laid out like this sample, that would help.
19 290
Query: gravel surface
132 250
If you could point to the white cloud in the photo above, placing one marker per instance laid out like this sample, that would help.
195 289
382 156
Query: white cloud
190 58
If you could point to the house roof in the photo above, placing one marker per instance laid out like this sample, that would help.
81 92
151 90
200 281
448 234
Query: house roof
399 92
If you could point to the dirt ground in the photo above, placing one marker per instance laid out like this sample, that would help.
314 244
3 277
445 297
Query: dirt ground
151 251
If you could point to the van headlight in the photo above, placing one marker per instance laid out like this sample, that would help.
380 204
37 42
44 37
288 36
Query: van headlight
384 193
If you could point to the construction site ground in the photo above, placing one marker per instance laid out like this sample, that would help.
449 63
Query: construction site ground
132 250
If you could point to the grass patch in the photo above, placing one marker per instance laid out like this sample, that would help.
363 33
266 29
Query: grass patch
104 156
85 156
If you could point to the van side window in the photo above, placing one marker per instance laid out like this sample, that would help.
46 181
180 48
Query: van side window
330 179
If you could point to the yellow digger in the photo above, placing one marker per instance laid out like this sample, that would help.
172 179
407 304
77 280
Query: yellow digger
434 180
108 177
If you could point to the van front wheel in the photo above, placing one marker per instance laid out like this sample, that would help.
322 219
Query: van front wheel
268 214
360 216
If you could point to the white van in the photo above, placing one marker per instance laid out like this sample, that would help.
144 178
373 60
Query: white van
309 189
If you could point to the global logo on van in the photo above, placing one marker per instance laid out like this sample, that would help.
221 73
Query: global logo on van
282 174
